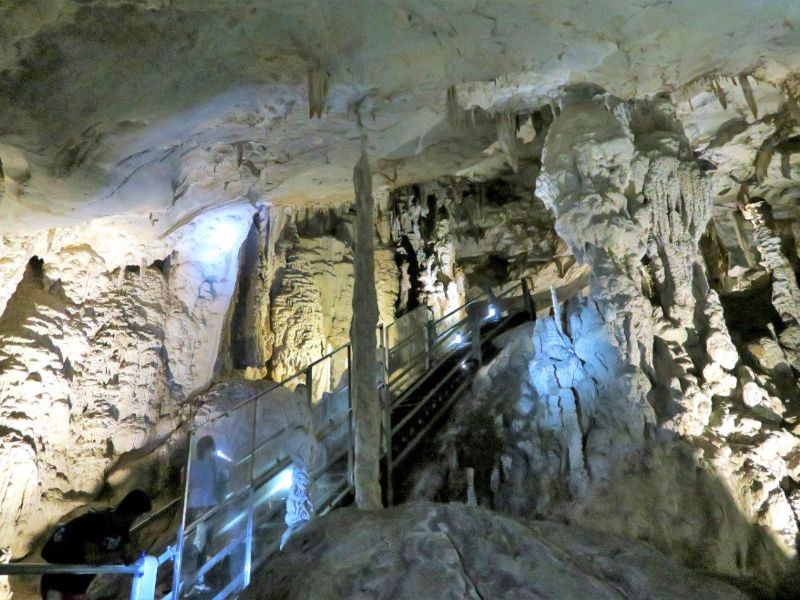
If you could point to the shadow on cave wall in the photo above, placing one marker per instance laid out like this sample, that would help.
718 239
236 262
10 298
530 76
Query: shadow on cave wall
659 496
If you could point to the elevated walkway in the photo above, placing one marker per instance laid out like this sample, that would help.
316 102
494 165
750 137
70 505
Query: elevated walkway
427 364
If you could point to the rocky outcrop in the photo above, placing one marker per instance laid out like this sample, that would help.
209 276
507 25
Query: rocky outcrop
641 387
549 430
632 204
425 550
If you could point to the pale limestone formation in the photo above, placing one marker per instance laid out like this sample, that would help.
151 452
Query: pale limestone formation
311 291
102 337
632 417
421 232
621 182
554 412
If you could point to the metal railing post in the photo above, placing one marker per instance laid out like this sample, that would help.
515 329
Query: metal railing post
176 563
310 385
248 541
430 339
350 433
143 586
528 299
386 398
475 333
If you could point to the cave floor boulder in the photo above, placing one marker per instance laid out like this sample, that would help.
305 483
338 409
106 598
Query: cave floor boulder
438 551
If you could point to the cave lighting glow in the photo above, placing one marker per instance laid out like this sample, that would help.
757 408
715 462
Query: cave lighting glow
219 238
282 482
491 313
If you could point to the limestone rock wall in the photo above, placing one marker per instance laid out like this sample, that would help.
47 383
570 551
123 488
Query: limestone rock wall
311 306
668 322
550 431
421 232
453 236
103 336
107 331
639 413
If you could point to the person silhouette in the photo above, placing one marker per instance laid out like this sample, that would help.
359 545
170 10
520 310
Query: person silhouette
97 537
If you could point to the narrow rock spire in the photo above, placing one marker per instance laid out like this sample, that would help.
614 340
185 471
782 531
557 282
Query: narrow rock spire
366 404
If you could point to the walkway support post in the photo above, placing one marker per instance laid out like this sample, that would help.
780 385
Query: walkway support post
430 339
366 401
528 299
143 586
386 399
474 318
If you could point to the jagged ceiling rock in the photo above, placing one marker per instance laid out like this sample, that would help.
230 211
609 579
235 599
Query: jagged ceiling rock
158 109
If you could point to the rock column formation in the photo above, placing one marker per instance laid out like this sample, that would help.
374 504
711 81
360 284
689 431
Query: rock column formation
364 393
785 292
632 203
421 224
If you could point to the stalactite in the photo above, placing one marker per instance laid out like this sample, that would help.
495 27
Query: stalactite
318 81
786 147
763 158
786 165
719 93
454 112
747 91
507 136
742 240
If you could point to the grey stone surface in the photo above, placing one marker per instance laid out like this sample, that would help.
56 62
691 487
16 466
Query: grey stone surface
439 551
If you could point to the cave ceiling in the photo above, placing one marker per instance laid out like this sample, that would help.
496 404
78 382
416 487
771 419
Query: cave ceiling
155 110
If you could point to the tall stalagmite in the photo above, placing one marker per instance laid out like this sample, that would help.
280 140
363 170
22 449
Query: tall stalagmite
785 291
366 407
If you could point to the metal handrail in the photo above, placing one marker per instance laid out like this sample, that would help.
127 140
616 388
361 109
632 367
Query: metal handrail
144 572
50 568
297 374
150 517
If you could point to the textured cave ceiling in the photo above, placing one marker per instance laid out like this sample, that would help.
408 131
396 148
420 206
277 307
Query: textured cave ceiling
157 109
